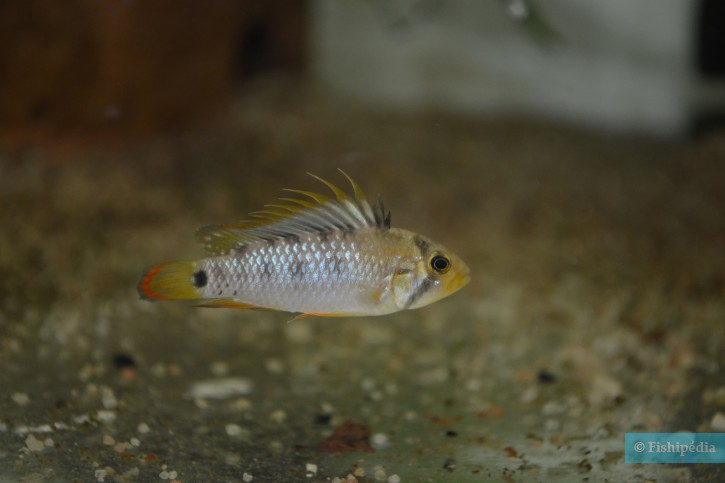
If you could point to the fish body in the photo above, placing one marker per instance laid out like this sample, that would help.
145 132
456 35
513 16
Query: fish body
315 256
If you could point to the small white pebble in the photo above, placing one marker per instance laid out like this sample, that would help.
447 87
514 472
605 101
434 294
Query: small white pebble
233 429
21 399
247 477
380 440
359 471
43 428
327 408
552 408
551 425
604 389
49 443
100 475
472 385
105 415
34 444
274 366
82 419
108 398
530 395
219 368
410 416
380 475
241 404
311 469
278 416
393 479
220 388
173 475
164 475
367 384
718 422
108 440
143 428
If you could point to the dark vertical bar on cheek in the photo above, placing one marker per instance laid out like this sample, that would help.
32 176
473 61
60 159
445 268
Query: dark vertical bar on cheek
424 286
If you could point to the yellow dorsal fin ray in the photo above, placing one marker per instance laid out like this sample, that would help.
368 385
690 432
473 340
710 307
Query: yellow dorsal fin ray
339 194
314 214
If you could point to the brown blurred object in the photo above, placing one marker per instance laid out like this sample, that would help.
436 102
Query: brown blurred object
84 68
349 436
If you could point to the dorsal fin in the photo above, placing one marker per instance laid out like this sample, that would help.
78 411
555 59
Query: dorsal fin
315 213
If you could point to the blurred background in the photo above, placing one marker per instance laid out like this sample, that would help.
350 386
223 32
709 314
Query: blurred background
134 67
572 152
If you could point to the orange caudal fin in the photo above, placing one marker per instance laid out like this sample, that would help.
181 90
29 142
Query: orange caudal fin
169 281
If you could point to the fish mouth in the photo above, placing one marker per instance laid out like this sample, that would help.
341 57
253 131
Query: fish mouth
460 280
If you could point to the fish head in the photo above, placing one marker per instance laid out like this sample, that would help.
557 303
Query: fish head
431 275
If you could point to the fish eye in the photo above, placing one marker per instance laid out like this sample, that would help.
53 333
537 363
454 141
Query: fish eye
440 264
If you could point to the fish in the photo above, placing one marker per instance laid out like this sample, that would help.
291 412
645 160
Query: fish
315 255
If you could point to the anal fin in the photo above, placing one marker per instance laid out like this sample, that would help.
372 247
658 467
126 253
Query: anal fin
229 304
308 315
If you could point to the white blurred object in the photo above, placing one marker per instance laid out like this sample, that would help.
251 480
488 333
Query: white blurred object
617 64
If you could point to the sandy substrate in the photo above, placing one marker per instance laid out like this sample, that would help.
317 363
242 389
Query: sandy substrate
596 306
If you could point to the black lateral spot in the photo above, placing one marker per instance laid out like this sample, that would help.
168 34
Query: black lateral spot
339 264
200 279
296 268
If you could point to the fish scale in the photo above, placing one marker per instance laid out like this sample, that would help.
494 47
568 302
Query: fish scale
328 256
305 274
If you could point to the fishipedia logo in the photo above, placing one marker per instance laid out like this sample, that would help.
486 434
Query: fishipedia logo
674 448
